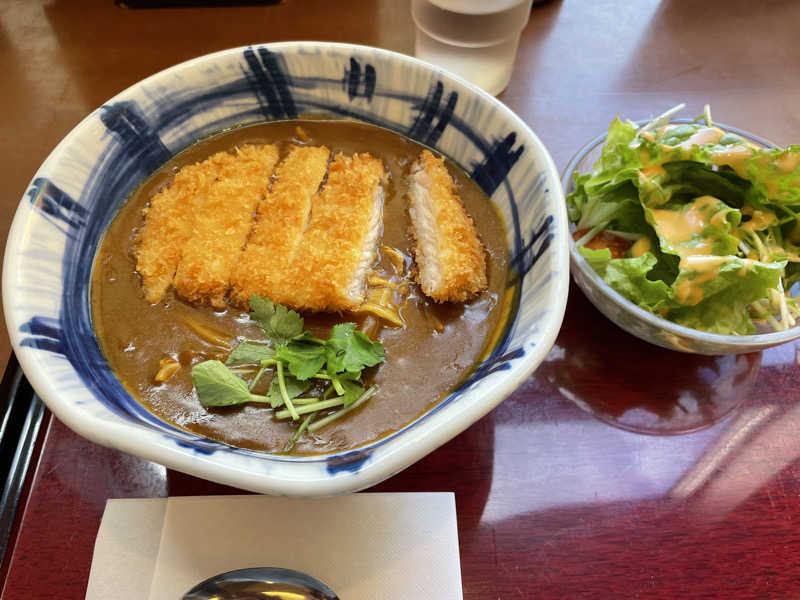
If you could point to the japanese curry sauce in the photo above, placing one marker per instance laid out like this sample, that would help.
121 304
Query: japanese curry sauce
421 366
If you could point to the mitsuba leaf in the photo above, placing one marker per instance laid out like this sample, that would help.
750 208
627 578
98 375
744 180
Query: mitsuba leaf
352 392
304 359
261 310
216 385
350 350
250 352
294 388
279 323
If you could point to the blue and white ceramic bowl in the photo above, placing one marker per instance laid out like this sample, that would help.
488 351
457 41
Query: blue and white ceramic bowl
79 188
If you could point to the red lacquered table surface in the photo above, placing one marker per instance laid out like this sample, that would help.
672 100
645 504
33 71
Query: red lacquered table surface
618 470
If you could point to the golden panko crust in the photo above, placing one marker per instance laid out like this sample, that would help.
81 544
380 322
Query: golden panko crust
195 228
329 269
307 248
460 257
281 219
169 218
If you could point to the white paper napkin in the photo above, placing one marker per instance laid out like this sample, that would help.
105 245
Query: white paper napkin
126 548
365 546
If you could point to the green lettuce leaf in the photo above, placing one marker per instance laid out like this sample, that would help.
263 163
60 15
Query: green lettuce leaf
628 277
792 274
702 226
618 159
714 292
772 172
688 180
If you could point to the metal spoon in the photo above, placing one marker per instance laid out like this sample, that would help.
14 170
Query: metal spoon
261 583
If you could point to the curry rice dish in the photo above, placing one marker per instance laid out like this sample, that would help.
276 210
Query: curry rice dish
340 221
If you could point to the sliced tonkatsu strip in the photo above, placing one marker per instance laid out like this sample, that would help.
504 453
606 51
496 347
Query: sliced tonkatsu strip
329 269
169 220
281 220
451 266
222 221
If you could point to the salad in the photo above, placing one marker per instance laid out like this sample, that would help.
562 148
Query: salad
694 224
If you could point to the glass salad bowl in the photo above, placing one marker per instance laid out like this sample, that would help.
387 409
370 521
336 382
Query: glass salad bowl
638 321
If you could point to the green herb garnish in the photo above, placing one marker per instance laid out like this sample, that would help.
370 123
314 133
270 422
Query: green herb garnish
250 352
291 385
329 370
343 411
217 385
350 350
303 359
279 323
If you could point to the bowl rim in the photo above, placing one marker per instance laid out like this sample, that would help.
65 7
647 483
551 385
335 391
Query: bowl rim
420 440
744 342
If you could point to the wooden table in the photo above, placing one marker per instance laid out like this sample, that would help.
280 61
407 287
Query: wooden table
553 500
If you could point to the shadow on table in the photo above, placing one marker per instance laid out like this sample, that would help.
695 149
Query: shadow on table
637 386
464 465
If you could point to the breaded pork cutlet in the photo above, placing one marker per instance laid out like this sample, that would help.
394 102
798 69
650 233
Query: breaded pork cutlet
266 262
329 269
451 266
169 220
223 217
